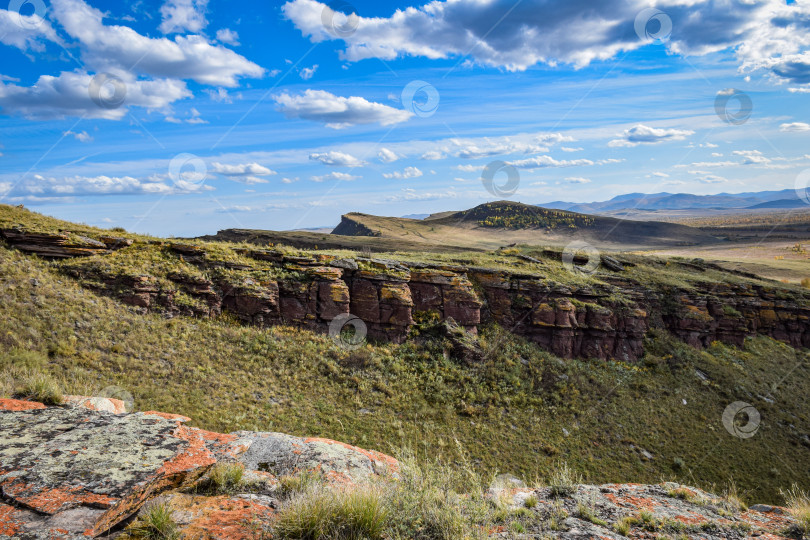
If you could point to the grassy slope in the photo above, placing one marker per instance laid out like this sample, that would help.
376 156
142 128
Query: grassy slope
510 414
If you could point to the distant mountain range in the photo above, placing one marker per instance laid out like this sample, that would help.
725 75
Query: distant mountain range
786 198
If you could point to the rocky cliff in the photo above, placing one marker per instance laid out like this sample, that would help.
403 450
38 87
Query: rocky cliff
89 469
604 317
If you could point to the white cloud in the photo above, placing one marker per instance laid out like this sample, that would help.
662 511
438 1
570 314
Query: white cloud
337 159
542 162
246 173
387 156
81 136
795 127
433 155
307 73
658 175
181 15
335 175
766 35
219 95
578 180
25 31
408 172
67 95
469 168
338 112
752 157
228 37
570 149
120 48
409 194
641 134
41 187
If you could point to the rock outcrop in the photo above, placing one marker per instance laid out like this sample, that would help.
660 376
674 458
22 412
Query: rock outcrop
72 472
76 472
61 245
604 318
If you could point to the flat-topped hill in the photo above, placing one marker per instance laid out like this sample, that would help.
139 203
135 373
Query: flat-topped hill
495 224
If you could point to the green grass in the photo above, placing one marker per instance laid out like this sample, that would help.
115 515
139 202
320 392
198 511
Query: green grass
563 481
516 412
352 513
222 478
798 505
154 523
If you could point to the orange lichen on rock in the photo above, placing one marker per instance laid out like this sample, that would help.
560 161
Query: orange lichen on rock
19 405
378 457
53 500
10 523
168 416
221 517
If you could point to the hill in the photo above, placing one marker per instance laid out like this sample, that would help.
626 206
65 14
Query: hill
624 374
680 201
495 224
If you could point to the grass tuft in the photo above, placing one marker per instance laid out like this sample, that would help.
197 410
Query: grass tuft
357 513
156 523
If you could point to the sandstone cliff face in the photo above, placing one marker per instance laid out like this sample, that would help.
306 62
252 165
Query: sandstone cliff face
87 468
605 319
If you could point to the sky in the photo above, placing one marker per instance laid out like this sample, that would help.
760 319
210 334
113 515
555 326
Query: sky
184 117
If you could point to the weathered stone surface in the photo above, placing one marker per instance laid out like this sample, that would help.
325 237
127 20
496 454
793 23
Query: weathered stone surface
281 454
70 472
55 246
706 517
102 404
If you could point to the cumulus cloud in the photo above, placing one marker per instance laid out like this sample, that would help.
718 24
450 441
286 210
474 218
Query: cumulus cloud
387 156
246 173
338 112
81 136
577 180
67 95
752 157
337 159
123 53
642 134
38 187
307 73
408 172
469 168
542 162
433 155
335 175
25 32
795 127
119 48
181 15
764 35
228 36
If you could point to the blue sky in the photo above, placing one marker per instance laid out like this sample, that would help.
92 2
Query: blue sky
182 117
